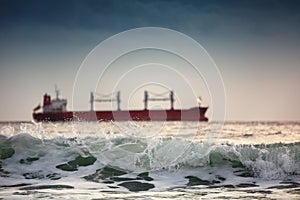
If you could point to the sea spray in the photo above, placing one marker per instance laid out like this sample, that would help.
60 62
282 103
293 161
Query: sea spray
100 155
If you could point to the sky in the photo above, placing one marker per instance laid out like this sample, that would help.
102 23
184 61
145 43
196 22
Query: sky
255 45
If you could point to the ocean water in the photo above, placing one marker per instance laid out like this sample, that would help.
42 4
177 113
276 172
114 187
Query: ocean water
150 160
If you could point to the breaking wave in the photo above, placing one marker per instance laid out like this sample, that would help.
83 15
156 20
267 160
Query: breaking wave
36 156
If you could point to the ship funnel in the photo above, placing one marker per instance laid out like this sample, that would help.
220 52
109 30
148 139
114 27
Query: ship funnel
47 100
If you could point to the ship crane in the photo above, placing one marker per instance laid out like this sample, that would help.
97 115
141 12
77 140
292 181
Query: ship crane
105 98
161 98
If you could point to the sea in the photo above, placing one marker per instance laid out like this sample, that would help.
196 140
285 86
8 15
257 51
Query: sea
150 160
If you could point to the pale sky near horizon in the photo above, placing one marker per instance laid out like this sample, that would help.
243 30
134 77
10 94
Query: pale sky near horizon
255 44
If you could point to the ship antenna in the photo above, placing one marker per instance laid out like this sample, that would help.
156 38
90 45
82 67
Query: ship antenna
56 91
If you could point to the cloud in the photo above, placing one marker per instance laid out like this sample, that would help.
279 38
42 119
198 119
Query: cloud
206 17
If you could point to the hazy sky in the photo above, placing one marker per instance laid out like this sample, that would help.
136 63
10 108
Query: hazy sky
255 44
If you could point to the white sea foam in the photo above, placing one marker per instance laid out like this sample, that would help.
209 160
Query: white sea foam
76 154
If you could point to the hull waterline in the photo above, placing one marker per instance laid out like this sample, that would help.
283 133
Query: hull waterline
193 114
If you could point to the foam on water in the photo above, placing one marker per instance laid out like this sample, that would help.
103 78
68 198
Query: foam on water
111 158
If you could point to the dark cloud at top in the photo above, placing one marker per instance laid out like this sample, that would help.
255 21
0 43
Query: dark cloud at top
206 16
58 26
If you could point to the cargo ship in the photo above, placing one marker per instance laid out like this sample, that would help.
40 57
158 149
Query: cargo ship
56 110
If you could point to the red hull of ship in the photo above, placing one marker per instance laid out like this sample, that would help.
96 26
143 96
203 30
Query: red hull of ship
193 114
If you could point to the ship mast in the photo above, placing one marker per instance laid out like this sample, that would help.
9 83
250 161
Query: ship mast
56 92
199 101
